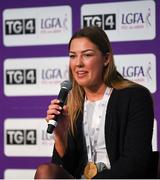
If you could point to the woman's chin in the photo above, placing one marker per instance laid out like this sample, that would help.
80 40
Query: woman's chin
82 84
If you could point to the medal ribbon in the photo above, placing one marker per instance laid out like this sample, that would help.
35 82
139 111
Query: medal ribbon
91 142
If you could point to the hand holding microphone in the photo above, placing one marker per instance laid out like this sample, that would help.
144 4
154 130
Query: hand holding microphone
54 109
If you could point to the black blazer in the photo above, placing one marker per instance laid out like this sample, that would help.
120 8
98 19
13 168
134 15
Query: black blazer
128 137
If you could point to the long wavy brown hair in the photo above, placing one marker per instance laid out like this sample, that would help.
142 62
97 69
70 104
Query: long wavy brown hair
112 78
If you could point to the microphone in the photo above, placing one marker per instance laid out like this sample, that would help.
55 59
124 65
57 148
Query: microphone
66 86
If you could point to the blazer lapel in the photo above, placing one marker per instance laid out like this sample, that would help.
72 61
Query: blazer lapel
110 116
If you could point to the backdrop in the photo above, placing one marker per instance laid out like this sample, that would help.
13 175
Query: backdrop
34 61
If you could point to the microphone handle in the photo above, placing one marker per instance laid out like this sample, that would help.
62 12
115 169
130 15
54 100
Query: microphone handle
53 122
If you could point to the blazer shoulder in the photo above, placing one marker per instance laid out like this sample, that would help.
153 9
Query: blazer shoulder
137 90
133 93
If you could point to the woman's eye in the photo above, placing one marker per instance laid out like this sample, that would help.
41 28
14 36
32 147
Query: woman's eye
87 55
72 56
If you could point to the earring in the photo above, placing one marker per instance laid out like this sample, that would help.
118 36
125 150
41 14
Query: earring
105 64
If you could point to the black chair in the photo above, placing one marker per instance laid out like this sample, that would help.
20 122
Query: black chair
158 171
155 166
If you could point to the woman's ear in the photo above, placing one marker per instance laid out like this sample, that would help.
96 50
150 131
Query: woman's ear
106 59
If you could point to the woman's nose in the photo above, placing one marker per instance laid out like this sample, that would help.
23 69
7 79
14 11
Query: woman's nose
79 61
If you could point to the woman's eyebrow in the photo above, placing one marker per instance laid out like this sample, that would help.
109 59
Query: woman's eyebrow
86 50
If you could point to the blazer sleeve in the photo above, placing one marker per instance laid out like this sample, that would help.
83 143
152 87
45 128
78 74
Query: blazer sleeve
75 156
137 122
69 160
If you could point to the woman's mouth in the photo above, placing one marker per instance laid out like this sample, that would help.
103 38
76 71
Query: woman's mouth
81 74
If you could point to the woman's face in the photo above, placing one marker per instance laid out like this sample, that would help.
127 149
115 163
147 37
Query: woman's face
86 63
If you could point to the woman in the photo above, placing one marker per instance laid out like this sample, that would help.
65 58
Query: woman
107 124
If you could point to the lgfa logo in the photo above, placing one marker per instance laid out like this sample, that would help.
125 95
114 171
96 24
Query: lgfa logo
48 74
54 23
54 74
138 72
133 71
136 18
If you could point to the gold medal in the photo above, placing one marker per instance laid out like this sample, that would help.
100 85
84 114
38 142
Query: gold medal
90 170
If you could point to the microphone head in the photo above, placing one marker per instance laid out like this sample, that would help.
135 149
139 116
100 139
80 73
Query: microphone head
66 85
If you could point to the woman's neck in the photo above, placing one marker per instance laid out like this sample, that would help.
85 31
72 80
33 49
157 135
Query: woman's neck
94 94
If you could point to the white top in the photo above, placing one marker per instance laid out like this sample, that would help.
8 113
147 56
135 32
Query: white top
94 126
